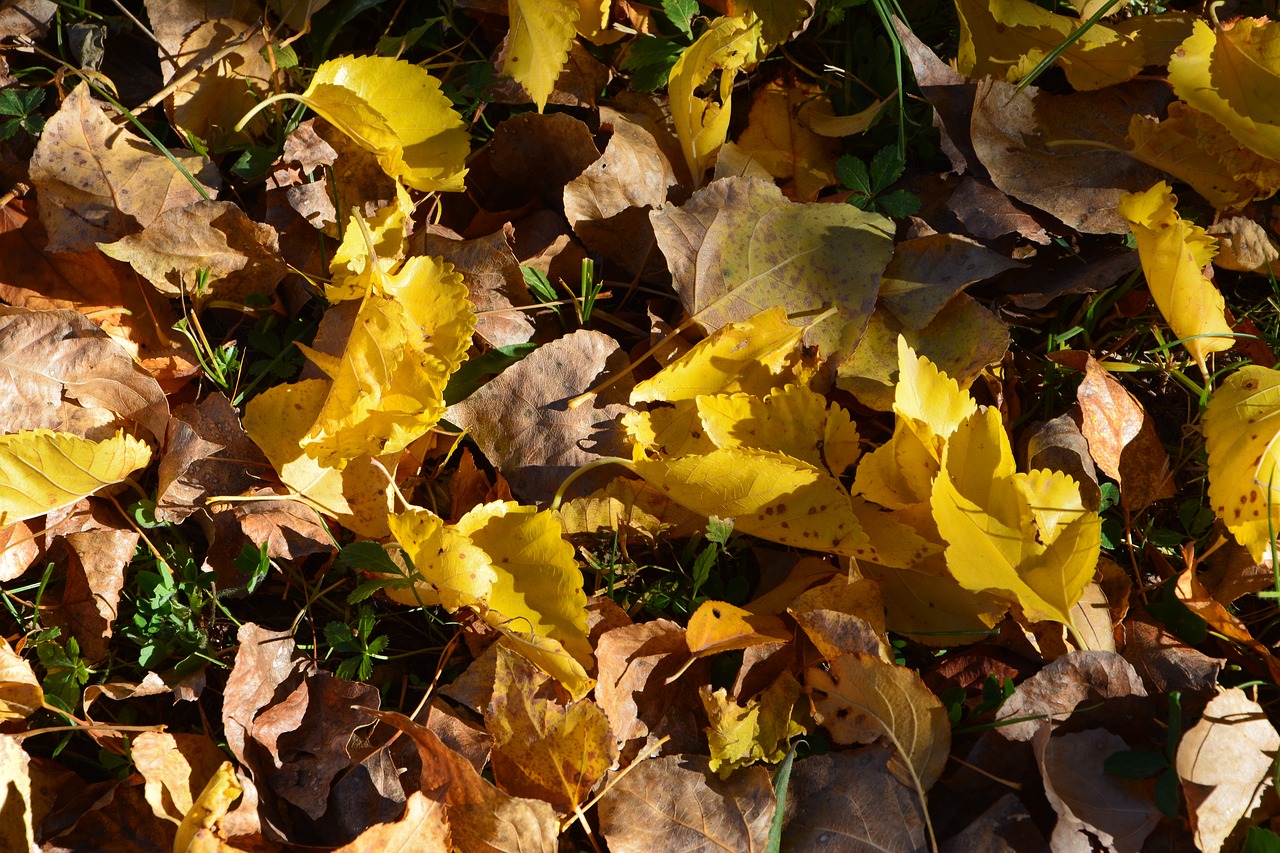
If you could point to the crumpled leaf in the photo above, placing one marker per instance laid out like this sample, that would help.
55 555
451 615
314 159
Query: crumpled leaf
1225 763
777 138
1240 429
1026 537
1232 73
1174 253
538 46
861 698
740 736
42 470
423 826
702 124
397 111
20 691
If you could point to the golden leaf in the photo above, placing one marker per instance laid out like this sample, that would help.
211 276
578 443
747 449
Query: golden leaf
541 34
42 470
1241 424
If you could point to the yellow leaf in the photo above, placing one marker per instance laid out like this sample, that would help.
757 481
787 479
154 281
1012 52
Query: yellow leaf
593 22
1007 38
409 335
766 494
542 749
42 470
541 33
788 149
459 573
396 110
740 735
538 585
1174 253
358 496
1024 537
753 356
1233 74
20 693
1241 424
1194 147
369 248
793 420
862 698
717 626
667 431
703 123
210 807
551 658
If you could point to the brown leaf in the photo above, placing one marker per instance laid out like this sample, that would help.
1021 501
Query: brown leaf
27 18
843 617
1166 663
1059 445
481 818
88 282
62 372
20 693
18 550
987 213
209 104
1078 184
98 182
534 156
242 257
120 821
862 698
1056 690
16 830
95 552
633 664
1192 593
1244 245
1005 827
1112 418
542 440
265 660
176 769
423 827
850 801
1225 763
677 803
776 138
542 749
926 272
1090 802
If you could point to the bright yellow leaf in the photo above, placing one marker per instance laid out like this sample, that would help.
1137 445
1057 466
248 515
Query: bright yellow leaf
1007 38
1241 426
369 248
538 585
1024 537
459 573
42 470
739 736
551 658
717 626
542 32
1174 253
396 110
753 356
769 495
1233 74
198 830
702 124
791 420
667 431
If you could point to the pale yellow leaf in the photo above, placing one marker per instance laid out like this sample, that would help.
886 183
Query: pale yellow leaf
1241 425
42 470
541 34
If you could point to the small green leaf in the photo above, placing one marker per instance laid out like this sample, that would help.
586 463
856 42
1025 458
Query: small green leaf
1261 840
369 557
886 167
852 173
681 14
1136 764
899 203
649 60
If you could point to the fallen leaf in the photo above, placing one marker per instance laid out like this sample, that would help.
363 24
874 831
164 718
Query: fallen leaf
925 273
199 828
42 470
99 183
20 692
739 736
424 826
850 800
1090 802
702 124
1174 253
717 626
1192 593
538 45
16 831
861 699
777 138
1066 683
176 769
1240 431
209 104
677 803
1225 762
738 247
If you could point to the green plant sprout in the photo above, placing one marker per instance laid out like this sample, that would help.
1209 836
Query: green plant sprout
869 184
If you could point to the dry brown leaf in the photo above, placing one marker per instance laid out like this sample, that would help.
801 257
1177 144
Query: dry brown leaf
1167 663
677 803
777 138
1059 445
209 104
20 692
1005 827
65 374
207 454
925 273
540 441
1244 245
99 183
1091 803
987 213
1191 592
850 801
1078 184
534 156
176 768
1055 691
18 550
242 257
1225 764
862 698
481 818
16 831
424 827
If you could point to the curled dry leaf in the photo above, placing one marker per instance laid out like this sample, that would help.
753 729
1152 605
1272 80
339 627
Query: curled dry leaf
1056 690
1225 764
424 826
20 692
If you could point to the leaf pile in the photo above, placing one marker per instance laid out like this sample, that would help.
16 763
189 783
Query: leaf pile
555 426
